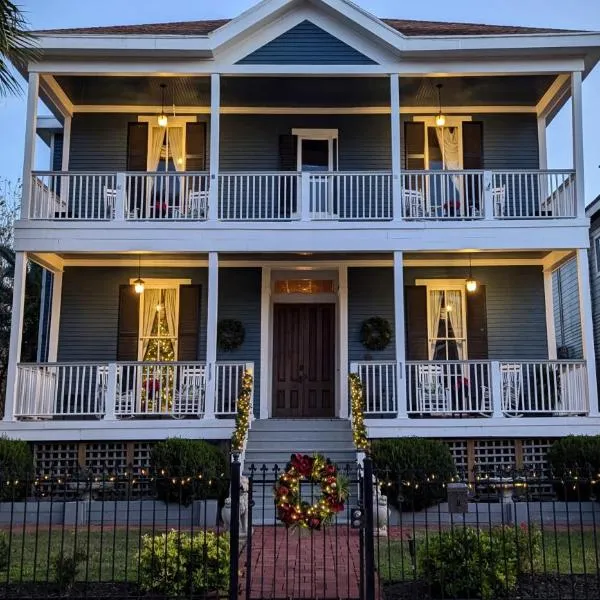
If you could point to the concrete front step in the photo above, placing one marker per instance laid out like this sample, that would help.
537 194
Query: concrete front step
261 445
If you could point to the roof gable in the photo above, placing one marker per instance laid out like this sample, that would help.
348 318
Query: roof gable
306 44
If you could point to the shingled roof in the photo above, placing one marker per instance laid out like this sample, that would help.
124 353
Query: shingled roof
203 28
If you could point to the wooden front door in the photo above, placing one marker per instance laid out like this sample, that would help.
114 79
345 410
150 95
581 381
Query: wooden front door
303 360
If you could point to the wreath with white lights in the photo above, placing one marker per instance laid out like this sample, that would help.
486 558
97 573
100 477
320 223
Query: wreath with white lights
295 512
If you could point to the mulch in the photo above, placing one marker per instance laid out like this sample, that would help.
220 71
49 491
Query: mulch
529 587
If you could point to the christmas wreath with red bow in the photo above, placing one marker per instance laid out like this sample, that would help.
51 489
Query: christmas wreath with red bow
292 510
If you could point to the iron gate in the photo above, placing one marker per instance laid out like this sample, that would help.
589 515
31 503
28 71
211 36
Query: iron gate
270 561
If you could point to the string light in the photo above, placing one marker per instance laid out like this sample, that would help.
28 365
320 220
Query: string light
359 429
244 414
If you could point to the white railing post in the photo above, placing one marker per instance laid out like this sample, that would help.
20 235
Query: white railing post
211 335
119 214
496 389
111 393
305 197
488 197
215 124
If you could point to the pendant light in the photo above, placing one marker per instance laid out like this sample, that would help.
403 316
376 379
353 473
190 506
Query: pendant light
139 282
471 282
163 120
440 120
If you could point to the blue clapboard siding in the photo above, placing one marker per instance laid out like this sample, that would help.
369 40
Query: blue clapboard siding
306 44
515 307
239 298
90 309
595 286
370 294
567 320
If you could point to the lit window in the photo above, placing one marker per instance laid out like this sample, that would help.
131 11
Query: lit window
304 286
158 325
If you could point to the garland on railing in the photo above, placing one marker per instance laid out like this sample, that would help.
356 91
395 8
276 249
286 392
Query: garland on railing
357 406
244 414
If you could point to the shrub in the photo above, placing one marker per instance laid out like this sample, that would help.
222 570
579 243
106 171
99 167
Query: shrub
4 551
188 470
416 469
179 564
66 568
573 459
16 468
467 562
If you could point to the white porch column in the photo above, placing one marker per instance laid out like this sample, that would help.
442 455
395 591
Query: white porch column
542 146
550 325
66 149
343 329
211 334
577 109
16 334
265 343
215 133
55 316
399 333
30 132
396 145
587 327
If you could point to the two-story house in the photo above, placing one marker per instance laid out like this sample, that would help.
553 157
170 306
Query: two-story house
250 194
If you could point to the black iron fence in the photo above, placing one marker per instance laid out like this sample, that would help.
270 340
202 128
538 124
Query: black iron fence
492 535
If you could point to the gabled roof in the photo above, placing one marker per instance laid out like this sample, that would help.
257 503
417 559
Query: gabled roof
407 27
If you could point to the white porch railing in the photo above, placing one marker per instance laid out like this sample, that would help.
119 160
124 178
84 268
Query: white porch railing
534 194
448 388
379 386
442 195
476 388
125 390
288 196
544 388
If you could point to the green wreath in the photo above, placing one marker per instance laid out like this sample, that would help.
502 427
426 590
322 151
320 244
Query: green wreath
230 334
376 333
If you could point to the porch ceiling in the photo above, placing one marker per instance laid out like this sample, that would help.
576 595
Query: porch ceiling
306 91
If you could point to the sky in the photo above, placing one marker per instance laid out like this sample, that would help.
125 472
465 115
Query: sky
574 14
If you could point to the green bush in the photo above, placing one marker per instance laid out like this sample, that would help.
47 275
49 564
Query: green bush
188 470
16 468
467 562
416 469
179 564
575 459
4 551
66 568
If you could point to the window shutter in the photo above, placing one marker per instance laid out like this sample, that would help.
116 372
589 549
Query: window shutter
129 323
137 147
414 145
189 322
477 338
195 147
288 152
415 310
472 135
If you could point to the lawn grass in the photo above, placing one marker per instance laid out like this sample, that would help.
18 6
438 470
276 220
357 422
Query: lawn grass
563 553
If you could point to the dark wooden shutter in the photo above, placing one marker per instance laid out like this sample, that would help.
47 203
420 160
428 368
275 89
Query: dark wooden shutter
288 152
129 323
477 338
472 135
137 147
189 322
195 146
415 309
414 145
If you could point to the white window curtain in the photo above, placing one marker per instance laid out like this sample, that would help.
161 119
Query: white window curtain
176 147
170 306
151 300
436 298
158 139
455 315
448 141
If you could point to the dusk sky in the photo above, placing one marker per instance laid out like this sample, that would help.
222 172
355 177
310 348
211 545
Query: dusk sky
575 14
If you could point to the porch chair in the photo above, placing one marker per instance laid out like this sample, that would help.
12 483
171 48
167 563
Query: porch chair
110 198
196 205
512 384
413 202
124 402
432 395
188 394
499 200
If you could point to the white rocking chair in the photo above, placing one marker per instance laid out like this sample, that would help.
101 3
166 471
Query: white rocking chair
512 384
432 395
188 395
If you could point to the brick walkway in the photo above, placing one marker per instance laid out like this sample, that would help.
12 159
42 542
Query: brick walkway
302 564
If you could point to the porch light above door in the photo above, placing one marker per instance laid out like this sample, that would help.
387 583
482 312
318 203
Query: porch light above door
138 284
440 120
471 283
163 120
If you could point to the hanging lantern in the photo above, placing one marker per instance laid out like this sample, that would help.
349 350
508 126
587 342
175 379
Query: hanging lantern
163 120
138 284
471 282
440 119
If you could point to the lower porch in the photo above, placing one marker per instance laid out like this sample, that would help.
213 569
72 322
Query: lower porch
432 356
